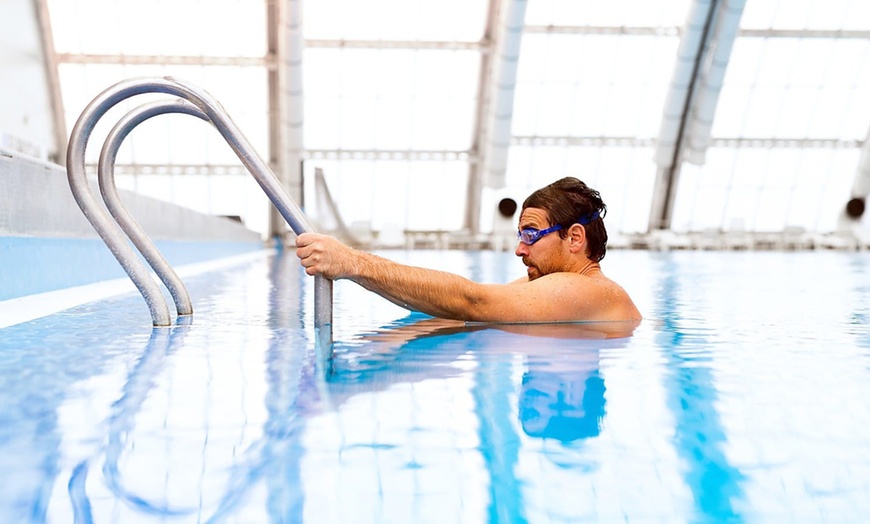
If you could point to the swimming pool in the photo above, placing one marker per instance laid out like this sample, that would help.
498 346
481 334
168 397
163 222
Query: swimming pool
743 396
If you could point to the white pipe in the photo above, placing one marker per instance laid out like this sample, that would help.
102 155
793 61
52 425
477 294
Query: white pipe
292 116
861 184
727 24
501 93
681 80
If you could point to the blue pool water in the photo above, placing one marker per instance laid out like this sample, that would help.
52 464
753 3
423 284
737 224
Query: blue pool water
744 396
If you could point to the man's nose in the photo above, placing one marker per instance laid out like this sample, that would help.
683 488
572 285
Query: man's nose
522 249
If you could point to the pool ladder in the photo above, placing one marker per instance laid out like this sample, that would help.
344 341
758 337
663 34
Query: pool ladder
190 101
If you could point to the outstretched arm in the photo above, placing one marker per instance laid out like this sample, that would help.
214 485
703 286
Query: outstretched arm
556 297
436 293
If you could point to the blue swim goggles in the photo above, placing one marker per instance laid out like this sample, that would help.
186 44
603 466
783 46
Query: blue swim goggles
531 235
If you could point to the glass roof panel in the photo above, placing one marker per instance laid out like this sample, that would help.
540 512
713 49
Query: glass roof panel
613 13
765 189
575 93
623 175
796 88
393 195
171 139
807 14
390 99
800 89
229 28
592 87
396 20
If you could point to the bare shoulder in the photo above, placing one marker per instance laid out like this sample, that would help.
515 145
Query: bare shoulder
596 296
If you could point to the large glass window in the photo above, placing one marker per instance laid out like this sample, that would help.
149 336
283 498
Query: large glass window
590 92
792 116
392 98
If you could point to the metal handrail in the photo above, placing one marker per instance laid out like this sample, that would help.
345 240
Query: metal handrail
106 176
112 234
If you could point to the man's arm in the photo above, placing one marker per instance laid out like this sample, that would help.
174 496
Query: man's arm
555 297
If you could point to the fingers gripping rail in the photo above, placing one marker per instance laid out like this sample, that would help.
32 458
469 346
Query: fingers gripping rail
191 101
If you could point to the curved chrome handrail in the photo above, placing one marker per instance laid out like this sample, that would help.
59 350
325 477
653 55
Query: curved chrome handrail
106 176
112 234
108 230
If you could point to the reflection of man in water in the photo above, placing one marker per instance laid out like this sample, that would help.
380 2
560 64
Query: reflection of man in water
563 407
561 396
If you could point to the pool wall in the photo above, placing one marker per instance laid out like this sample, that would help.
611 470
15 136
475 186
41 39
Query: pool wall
43 233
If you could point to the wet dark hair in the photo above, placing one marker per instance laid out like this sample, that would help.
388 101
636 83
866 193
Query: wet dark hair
570 201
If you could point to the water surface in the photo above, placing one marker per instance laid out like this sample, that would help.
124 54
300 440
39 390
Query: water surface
742 396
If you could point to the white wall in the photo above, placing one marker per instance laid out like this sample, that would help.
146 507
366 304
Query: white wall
36 201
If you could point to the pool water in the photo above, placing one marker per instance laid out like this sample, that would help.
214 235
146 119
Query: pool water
744 396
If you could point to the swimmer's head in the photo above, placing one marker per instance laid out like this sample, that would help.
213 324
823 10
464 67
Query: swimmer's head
561 407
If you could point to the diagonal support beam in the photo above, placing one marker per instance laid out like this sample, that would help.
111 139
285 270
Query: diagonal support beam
724 33
495 103
53 81
684 85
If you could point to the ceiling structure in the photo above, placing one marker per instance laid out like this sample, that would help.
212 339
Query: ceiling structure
687 115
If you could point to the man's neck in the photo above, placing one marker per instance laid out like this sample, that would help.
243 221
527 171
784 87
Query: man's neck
589 267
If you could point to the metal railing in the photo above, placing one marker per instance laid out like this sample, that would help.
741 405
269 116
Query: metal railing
192 101
106 177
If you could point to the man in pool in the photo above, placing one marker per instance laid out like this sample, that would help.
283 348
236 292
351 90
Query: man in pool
564 281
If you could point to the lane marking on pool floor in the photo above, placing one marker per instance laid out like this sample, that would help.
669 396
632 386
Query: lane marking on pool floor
31 307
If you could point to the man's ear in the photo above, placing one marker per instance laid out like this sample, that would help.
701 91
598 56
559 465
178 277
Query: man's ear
577 236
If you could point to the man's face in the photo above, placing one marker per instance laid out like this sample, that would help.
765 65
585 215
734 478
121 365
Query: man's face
542 257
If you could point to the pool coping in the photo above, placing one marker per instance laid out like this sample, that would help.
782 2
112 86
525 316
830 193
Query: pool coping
31 307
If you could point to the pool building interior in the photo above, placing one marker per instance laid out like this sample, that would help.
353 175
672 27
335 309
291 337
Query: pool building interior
729 139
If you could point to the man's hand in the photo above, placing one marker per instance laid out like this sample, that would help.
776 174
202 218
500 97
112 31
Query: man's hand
324 255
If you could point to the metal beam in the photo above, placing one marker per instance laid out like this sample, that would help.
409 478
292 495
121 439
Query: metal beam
482 46
162 60
684 84
177 169
390 154
495 112
274 53
712 75
601 30
582 141
285 48
475 176
677 31
787 143
805 33
722 142
470 156
50 62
